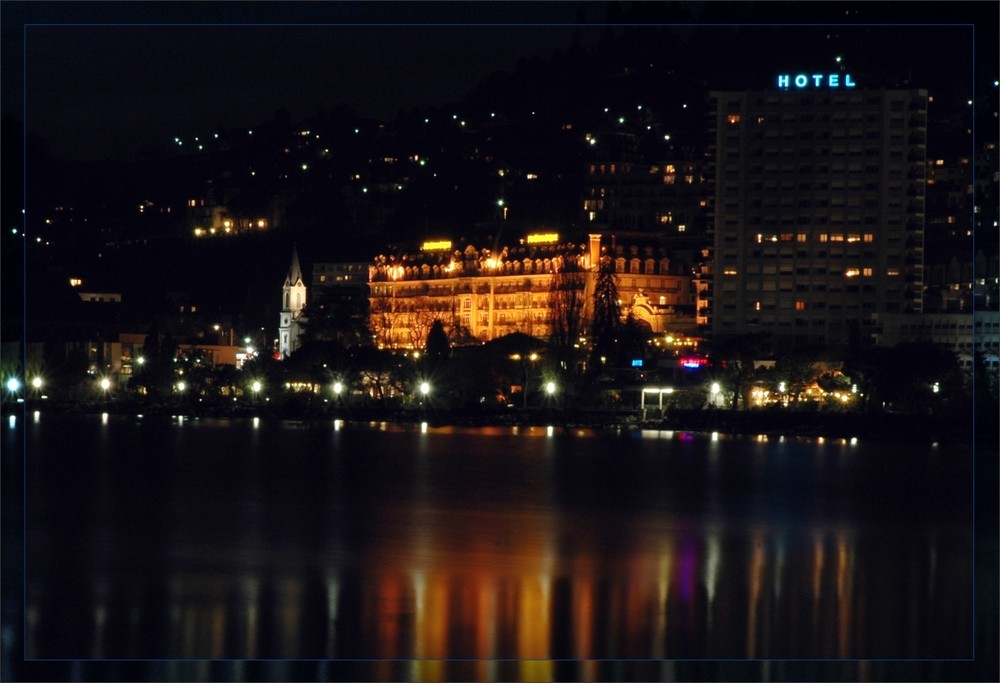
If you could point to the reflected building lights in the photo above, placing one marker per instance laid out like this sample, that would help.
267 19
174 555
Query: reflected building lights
756 582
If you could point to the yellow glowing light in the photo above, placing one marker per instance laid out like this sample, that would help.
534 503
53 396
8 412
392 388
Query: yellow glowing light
436 245
261 223
543 238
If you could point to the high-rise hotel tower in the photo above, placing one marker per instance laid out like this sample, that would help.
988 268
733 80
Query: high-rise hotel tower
818 210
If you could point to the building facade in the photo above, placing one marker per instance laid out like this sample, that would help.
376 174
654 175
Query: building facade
481 294
818 209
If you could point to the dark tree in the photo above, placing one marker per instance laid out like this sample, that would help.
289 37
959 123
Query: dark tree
735 357
606 326
438 348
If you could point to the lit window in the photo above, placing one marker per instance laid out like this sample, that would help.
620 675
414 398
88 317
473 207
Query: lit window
823 237
867 272
681 228
729 271
786 237
836 238
801 237
869 237
892 272
733 118
852 272
800 305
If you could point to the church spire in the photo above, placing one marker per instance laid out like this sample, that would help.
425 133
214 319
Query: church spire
295 271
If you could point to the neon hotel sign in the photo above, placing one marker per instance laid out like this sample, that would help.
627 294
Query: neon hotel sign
802 81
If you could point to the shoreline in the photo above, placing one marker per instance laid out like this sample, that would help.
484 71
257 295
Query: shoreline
872 426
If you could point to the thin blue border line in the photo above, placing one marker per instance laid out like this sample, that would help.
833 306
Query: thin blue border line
369 24
975 100
24 349
24 343
499 659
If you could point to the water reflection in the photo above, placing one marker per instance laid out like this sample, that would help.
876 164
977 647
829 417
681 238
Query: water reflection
433 544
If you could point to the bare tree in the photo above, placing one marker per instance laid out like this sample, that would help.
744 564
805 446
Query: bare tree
567 298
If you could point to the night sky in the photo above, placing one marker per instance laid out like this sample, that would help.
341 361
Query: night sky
130 84
106 79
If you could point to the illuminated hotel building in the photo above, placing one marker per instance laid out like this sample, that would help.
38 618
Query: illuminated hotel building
489 293
818 210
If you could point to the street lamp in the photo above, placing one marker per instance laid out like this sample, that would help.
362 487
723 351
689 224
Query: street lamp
13 386
715 394
255 387
425 388
181 386
550 388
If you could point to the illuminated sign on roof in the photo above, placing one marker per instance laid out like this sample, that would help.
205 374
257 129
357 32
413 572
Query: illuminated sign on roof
803 81
543 238
436 245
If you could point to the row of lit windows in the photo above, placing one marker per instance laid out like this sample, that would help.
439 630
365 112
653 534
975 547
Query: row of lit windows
852 271
821 237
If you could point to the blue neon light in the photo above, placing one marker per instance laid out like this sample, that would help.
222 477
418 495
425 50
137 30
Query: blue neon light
802 81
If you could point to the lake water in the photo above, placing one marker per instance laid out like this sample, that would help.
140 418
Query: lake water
176 538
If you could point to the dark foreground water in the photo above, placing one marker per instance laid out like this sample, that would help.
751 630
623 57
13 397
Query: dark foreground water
173 538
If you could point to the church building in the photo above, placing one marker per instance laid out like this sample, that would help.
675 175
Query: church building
293 303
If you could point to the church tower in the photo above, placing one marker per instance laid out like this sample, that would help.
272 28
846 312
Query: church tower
293 302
